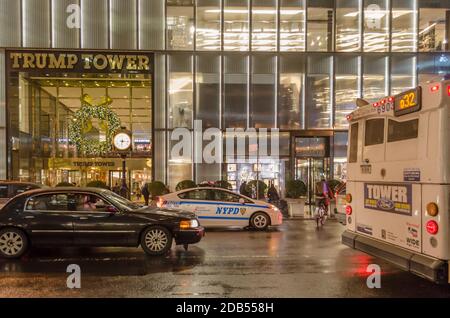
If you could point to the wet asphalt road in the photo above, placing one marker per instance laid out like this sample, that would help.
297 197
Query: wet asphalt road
295 260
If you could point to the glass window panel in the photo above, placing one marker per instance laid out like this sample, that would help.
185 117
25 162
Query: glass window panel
208 29
68 91
292 25
123 24
208 172
348 26
208 90
340 155
398 131
160 91
36 24
376 26
264 25
180 167
433 67
374 134
263 104
119 92
142 92
353 154
10 23
180 90
320 25
151 24
235 91
346 88
402 73
318 101
94 24
63 36
433 18
236 25
374 78
404 25
180 25
290 107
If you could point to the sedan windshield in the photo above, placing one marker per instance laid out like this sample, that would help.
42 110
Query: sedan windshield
122 202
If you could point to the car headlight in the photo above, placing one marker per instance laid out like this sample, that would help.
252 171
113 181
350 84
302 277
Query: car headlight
274 208
188 224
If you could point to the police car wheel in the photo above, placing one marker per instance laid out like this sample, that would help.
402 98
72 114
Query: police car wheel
259 221
156 240
13 243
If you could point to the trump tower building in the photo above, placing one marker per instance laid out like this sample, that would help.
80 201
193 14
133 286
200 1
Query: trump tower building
154 66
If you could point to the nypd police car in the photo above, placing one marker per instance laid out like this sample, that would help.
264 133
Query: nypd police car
220 207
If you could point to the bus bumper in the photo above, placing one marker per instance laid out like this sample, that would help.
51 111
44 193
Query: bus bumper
425 266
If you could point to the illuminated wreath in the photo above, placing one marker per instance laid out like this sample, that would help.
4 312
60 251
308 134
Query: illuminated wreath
81 124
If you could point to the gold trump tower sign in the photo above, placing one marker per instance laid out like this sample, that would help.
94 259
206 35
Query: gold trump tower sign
81 62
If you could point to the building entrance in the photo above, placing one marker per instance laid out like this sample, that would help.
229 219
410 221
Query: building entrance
312 163
46 102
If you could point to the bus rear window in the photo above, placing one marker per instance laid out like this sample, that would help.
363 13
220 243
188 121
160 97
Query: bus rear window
353 154
402 130
374 132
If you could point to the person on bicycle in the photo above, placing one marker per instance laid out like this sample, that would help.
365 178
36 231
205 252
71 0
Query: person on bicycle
323 196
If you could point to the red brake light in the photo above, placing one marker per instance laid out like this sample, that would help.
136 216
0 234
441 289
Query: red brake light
348 210
432 227
448 90
435 88
390 99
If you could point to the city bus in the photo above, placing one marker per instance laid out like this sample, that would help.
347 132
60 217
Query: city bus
398 182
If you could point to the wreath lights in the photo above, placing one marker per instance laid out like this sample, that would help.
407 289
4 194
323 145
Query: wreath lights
81 124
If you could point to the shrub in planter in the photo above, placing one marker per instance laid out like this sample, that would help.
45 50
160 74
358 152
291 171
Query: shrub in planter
223 184
262 188
97 184
185 184
295 189
156 188
65 184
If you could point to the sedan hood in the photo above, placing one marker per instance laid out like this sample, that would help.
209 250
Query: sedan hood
148 211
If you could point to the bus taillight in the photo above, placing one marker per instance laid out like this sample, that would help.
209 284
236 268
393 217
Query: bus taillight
432 209
348 198
432 227
348 210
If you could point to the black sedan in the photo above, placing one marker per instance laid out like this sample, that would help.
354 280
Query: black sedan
90 217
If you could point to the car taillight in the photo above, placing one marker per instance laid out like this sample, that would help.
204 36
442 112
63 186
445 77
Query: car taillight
432 227
348 210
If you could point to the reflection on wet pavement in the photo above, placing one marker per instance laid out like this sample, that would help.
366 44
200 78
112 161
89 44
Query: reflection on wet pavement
295 260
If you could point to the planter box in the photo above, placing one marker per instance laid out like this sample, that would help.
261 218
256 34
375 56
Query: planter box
296 207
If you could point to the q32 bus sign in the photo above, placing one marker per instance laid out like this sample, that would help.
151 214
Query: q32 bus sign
393 198
408 102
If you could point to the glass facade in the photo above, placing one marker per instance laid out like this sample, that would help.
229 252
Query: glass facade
295 65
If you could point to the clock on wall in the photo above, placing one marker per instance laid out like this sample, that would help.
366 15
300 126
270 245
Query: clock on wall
122 140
